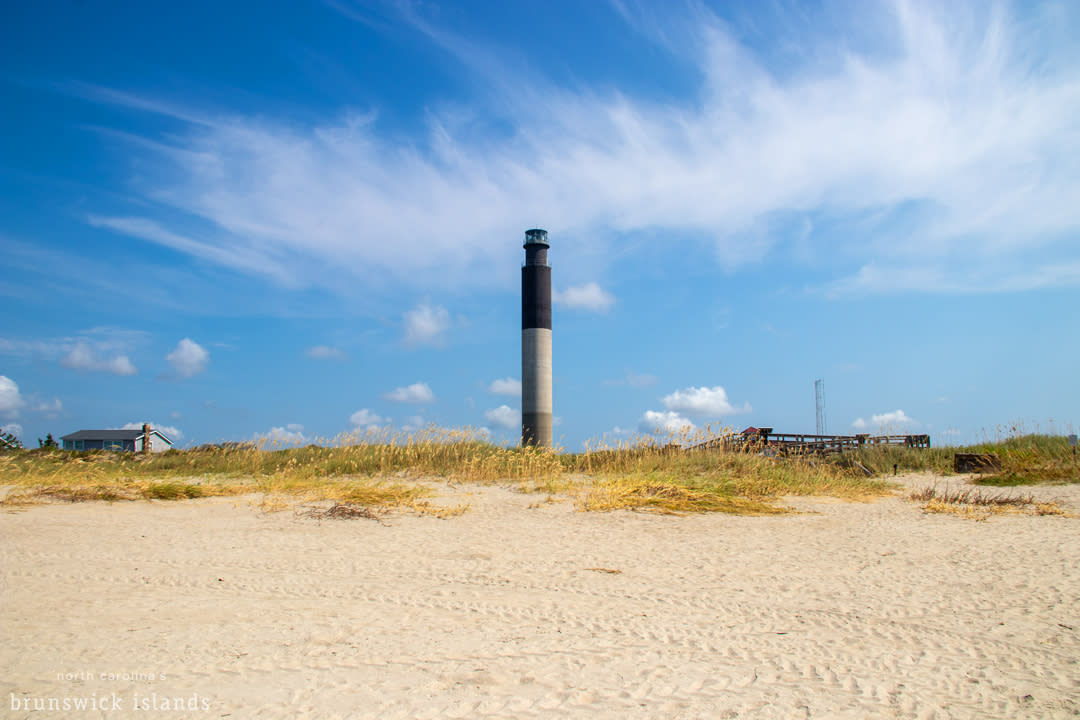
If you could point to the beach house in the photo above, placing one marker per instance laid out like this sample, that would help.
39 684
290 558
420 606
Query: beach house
123 440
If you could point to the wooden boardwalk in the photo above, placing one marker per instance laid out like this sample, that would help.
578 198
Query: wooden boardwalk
802 443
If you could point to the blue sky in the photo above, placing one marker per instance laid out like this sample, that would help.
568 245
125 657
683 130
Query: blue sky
296 220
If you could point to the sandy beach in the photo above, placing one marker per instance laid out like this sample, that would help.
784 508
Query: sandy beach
526 608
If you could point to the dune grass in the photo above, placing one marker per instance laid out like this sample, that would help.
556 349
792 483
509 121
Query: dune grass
977 503
394 471
1027 459
663 476
1030 460
376 470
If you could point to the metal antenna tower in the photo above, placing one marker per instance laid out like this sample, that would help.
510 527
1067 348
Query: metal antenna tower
819 403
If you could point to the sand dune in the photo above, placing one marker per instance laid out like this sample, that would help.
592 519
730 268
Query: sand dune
521 608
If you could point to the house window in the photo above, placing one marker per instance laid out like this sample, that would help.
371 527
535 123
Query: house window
80 444
113 445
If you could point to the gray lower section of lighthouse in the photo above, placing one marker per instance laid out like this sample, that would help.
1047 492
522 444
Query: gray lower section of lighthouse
536 428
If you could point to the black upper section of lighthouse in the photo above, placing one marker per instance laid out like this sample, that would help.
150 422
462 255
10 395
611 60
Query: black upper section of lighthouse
536 282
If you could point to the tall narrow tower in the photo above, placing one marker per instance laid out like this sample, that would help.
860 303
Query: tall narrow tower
536 341
819 405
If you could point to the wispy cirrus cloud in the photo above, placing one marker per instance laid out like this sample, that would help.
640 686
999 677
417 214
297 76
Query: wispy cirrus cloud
325 352
83 356
239 256
933 133
50 408
634 380
99 349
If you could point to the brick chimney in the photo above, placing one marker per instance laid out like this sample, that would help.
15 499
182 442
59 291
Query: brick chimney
146 438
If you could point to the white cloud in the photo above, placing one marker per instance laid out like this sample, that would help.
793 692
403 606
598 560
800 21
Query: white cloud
504 417
292 434
639 381
84 357
49 407
325 352
979 277
896 420
242 255
10 399
506 386
171 432
14 428
418 394
413 423
99 349
589 296
667 423
634 380
426 325
364 417
105 340
958 117
189 358
703 401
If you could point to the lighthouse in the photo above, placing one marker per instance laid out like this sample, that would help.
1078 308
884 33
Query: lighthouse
536 341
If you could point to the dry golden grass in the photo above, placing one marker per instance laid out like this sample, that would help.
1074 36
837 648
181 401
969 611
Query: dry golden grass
665 497
1026 458
674 475
82 490
349 510
393 471
977 504
338 511
280 493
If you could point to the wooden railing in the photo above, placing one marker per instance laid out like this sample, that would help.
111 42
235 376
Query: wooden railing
804 443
